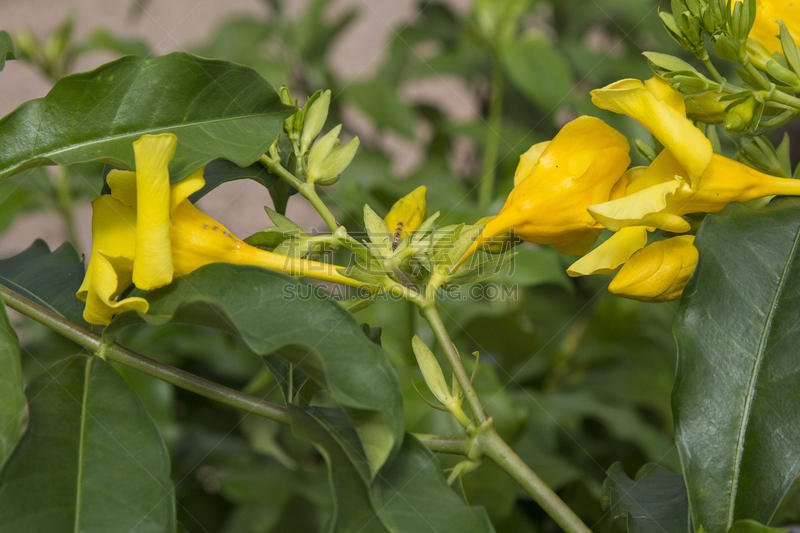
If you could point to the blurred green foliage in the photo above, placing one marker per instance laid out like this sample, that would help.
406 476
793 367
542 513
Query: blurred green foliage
576 379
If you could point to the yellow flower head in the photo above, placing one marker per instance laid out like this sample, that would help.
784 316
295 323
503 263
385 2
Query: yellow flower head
686 177
147 232
554 184
765 29
407 214
659 272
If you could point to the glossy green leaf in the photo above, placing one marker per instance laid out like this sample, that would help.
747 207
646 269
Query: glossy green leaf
409 495
654 502
737 387
91 459
348 468
273 313
540 71
220 171
6 49
47 278
216 108
751 526
12 398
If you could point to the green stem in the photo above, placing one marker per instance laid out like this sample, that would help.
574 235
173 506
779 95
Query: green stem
428 310
785 99
180 378
306 189
495 123
493 446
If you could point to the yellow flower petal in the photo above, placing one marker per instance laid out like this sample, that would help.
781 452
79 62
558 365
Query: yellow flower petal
653 105
612 254
649 207
123 186
183 189
578 168
580 246
110 262
152 266
765 29
105 279
407 214
663 169
198 240
727 181
528 160
659 272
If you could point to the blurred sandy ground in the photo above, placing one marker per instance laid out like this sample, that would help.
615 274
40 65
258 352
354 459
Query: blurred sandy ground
173 25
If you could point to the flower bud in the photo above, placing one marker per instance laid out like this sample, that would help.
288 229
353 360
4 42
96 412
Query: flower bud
320 151
315 116
706 107
658 272
407 214
499 244
757 54
740 118
286 98
338 160
726 47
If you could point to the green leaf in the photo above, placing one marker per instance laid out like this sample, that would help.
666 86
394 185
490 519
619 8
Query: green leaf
220 171
6 49
736 391
540 71
12 398
47 278
216 108
380 103
410 494
654 502
751 526
273 313
91 459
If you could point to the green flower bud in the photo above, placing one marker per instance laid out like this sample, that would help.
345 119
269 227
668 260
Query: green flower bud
740 117
758 54
286 98
726 47
338 160
315 116
672 28
688 82
321 149
691 29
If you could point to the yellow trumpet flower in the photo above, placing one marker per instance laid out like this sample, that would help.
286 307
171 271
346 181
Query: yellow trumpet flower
555 182
147 232
686 177
407 214
659 272
765 29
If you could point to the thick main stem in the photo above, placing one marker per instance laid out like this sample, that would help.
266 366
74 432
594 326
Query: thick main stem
486 190
180 378
488 442
493 446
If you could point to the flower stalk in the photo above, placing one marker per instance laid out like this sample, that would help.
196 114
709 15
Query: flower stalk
116 352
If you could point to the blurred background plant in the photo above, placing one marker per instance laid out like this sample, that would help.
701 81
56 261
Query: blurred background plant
575 378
